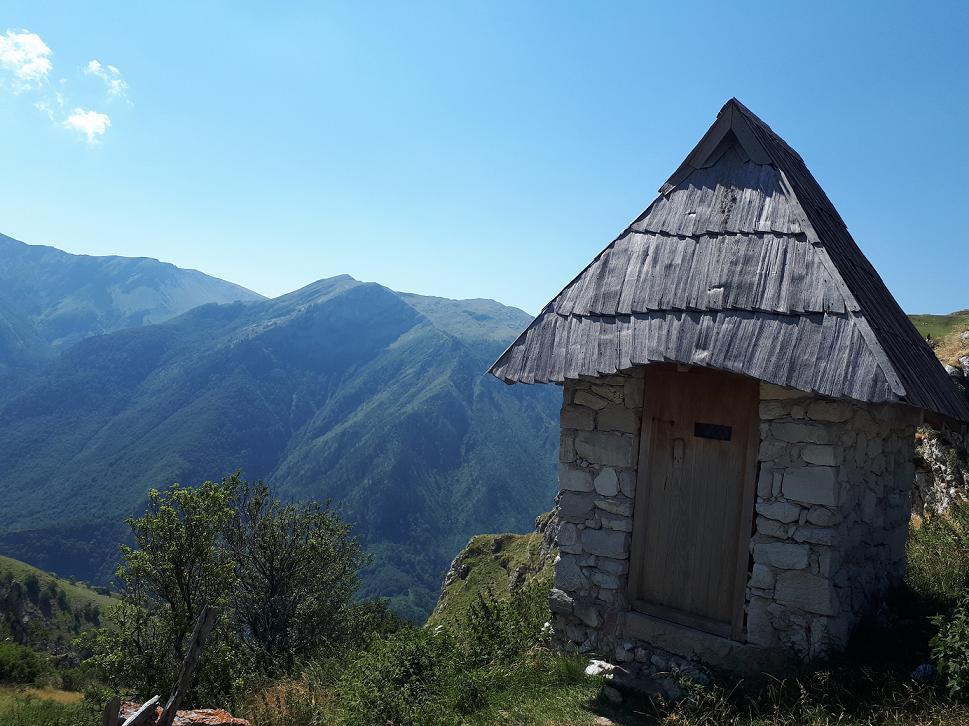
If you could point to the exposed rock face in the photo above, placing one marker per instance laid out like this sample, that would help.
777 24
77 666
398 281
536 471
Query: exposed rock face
198 717
942 473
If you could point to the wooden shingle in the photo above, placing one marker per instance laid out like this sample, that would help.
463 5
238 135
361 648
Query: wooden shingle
742 264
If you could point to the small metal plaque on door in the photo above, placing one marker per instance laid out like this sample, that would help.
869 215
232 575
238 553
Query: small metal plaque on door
712 431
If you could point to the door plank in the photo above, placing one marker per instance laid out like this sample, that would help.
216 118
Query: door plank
694 498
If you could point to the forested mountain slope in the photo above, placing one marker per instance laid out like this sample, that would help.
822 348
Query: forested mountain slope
342 390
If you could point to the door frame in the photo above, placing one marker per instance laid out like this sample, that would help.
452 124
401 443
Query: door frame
735 630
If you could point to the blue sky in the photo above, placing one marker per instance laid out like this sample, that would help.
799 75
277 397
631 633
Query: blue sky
465 149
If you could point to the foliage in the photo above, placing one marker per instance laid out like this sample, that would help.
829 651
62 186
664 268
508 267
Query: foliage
492 564
343 391
938 557
19 664
427 675
176 568
281 575
45 707
295 566
43 611
950 647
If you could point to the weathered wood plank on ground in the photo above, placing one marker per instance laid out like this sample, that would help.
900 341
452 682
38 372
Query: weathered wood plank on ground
145 714
111 710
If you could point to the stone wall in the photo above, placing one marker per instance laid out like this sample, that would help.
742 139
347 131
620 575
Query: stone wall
598 456
832 507
832 516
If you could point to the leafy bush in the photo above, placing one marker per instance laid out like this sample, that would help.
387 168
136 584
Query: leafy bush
282 575
19 664
422 676
406 678
950 647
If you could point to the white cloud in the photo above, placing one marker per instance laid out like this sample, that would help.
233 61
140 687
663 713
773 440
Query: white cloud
26 57
90 123
117 87
25 67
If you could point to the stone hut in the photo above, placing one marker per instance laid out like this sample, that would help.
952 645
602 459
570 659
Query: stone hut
740 395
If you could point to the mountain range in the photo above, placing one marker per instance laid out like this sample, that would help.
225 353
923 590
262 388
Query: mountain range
126 374
50 299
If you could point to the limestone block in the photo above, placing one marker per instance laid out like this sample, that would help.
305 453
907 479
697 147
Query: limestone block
566 448
605 580
816 535
800 433
568 574
822 516
779 511
771 449
573 479
560 602
633 390
811 485
607 449
587 613
772 528
764 480
836 411
575 417
607 482
759 628
615 505
769 391
761 576
568 534
575 506
783 555
612 566
618 523
627 482
770 410
820 454
807 592
605 542
618 418
612 393
589 399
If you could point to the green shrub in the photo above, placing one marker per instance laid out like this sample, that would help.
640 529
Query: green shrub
950 647
497 630
938 556
401 679
19 664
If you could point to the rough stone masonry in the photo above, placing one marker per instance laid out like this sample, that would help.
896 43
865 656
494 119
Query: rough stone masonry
832 507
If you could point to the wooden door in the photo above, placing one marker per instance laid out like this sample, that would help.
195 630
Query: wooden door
694 500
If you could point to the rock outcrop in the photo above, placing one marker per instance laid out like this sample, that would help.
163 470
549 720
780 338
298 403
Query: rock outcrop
941 471
196 717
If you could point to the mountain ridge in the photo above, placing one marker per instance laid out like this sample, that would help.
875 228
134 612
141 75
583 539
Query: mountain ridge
342 390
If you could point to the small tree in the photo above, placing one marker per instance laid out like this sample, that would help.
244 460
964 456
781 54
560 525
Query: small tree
296 567
177 566
282 575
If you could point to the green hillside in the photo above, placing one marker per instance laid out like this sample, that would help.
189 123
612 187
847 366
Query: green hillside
342 390
44 611
938 326
495 565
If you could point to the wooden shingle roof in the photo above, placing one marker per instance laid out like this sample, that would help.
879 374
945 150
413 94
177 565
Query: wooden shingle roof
741 264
